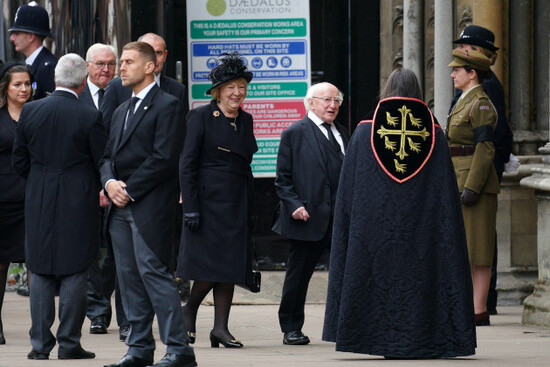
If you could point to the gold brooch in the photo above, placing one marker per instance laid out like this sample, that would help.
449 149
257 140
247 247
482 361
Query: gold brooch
216 113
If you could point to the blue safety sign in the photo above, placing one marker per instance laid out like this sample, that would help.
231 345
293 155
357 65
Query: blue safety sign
267 60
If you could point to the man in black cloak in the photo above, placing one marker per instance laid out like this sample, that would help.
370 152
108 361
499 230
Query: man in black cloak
399 283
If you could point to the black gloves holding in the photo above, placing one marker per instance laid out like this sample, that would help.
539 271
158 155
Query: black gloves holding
468 197
191 221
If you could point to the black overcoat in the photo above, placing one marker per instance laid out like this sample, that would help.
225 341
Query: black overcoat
57 148
216 181
399 281
302 180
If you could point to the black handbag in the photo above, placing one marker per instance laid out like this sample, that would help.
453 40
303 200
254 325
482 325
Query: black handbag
253 280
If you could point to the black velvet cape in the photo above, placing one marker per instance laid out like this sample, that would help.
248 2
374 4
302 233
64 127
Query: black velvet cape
399 282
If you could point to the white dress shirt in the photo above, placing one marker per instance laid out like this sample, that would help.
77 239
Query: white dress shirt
317 120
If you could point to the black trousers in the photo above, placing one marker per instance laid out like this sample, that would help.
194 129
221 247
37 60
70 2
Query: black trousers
302 259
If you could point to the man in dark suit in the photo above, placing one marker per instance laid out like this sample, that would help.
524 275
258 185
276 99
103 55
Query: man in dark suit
308 168
101 62
116 94
57 148
31 26
140 175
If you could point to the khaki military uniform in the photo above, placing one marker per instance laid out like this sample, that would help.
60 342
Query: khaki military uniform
475 171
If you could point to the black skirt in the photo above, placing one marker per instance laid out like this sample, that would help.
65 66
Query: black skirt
12 231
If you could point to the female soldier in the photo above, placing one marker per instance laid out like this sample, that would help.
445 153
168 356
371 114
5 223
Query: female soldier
470 134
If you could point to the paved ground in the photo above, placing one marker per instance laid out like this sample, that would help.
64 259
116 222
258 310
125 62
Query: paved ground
506 343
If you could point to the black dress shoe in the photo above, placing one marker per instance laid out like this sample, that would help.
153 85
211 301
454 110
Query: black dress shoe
176 360
295 338
75 353
131 361
23 290
33 354
2 340
123 332
215 342
99 325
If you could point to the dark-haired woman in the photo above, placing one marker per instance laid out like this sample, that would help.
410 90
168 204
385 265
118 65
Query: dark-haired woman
15 90
470 134
216 185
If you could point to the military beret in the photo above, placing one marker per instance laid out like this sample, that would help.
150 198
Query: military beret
470 58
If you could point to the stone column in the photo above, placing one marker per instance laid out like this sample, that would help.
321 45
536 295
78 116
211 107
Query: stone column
443 86
520 56
536 307
413 48
541 64
490 14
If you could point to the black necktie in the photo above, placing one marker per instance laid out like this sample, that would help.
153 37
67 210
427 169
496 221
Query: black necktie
131 112
100 94
331 137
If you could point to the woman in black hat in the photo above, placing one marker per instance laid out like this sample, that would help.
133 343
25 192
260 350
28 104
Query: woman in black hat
216 186
15 90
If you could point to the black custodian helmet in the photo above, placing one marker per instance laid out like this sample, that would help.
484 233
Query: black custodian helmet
32 18
477 36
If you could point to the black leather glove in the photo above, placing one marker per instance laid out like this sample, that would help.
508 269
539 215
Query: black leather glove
191 221
468 197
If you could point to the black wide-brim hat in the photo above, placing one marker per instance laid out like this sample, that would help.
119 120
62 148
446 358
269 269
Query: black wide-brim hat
4 68
32 18
231 67
477 36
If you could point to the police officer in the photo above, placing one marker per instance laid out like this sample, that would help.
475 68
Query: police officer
30 28
470 128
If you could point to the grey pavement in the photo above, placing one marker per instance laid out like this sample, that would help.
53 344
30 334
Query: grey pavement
254 321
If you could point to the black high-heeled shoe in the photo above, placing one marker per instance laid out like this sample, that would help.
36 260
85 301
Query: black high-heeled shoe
2 338
215 342
191 337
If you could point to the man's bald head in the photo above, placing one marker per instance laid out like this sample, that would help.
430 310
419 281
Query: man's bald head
159 45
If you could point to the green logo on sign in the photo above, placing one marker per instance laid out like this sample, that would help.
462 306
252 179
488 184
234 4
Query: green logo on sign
216 7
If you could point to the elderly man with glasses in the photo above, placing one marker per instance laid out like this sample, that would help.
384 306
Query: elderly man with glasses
101 63
308 169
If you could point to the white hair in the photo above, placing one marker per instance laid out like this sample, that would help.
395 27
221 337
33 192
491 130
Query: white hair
70 71
90 54
314 89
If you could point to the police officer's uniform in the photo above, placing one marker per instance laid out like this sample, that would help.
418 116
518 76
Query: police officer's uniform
32 18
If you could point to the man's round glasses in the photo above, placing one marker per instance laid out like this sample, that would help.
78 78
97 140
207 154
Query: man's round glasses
328 101
101 65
